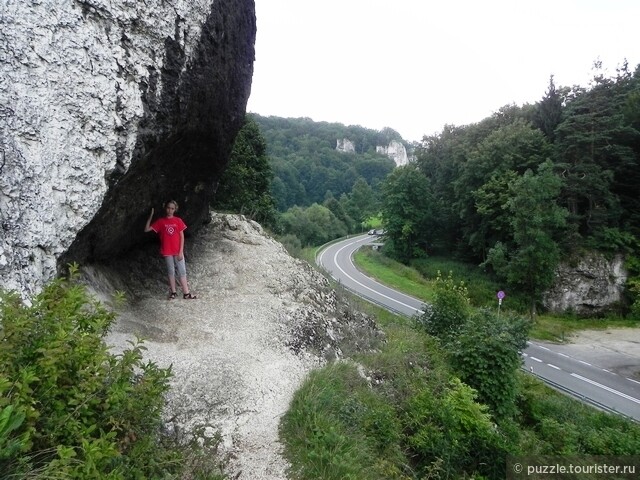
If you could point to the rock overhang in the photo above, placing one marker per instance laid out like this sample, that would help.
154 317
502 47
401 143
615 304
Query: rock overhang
153 98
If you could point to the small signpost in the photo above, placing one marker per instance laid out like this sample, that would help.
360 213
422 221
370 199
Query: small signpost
500 296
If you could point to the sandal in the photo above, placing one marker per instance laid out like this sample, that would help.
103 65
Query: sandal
189 296
173 295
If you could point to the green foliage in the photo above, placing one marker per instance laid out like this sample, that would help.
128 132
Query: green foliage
407 212
503 155
314 225
565 426
396 415
401 412
449 311
529 258
453 428
337 429
307 165
245 185
490 210
68 407
484 348
486 355
608 239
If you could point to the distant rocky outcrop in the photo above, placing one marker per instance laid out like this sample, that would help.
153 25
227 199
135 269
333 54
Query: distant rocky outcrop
395 151
590 285
345 145
107 108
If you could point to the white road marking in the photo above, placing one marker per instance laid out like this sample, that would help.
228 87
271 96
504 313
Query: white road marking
553 366
608 389
335 261
536 359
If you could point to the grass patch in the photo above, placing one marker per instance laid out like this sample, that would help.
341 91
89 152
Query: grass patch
399 413
373 222
393 274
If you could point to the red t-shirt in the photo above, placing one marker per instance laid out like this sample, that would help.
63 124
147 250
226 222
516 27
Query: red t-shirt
169 231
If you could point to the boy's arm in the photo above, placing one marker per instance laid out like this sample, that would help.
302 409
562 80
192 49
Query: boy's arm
181 254
147 227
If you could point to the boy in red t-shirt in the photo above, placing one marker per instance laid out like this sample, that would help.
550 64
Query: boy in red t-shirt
171 229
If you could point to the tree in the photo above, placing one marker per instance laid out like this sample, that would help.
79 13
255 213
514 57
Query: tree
513 148
593 142
529 260
69 408
361 202
406 212
245 186
450 310
314 225
549 111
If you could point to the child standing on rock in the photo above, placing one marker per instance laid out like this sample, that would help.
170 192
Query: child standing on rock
171 229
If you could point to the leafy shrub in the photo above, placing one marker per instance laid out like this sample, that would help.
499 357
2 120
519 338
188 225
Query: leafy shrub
450 309
454 430
486 354
68 407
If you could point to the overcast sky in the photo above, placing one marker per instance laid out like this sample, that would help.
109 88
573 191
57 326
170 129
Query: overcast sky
416 65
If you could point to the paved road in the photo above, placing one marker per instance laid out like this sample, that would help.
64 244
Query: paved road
578 377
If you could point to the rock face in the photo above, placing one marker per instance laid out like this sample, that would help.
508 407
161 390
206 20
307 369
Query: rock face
108 108
590 287
345 145
396 151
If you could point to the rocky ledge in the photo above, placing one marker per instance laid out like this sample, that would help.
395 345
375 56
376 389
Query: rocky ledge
262 321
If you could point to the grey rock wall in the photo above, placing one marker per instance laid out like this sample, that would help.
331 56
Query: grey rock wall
107 108
591 285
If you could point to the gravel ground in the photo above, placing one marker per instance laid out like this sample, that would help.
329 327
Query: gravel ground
617 349
262 321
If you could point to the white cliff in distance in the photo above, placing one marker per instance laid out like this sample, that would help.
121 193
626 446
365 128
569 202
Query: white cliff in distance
345 145
395 151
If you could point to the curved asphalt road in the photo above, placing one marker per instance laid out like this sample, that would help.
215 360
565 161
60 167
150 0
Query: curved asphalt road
590 383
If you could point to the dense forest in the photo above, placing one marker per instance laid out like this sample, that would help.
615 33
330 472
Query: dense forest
313 192
306 165
528 186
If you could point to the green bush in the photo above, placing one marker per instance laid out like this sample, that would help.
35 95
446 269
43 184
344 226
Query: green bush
68 407
454 432
486 355
450 309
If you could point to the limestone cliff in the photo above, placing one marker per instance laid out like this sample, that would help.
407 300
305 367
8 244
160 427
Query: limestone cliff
590 285
106 109
396 151
345 145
